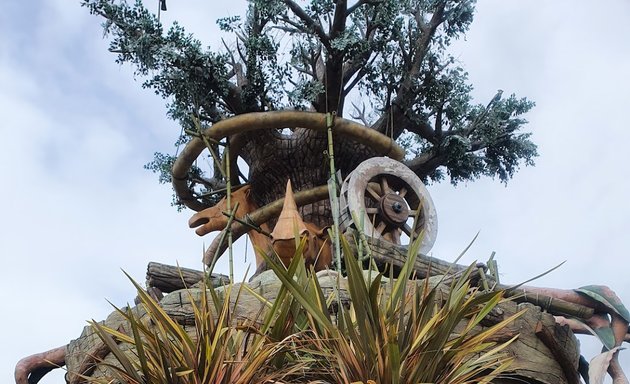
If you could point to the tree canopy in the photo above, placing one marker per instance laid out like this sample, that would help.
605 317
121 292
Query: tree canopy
385 63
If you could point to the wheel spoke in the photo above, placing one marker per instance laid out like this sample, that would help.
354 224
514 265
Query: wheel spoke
413 212
372 193
395 235
384 185
381 227
402 192
407 229
371 211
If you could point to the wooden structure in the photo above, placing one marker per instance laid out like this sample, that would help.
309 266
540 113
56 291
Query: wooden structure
384 207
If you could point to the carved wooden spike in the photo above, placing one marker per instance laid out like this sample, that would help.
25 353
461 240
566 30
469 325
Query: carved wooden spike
289 219
289 223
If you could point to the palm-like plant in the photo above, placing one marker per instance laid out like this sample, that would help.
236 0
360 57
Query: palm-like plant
400 331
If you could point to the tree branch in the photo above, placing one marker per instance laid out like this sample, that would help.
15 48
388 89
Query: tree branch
359 3
422 44
333 97
361 63
310 23
471 128
339 19
426 163
355 6
439 122
395 113
360 114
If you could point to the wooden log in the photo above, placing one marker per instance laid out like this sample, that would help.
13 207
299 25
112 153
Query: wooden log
169 278
534 361
551 304
387 254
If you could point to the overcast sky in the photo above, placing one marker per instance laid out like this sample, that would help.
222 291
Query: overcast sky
76 205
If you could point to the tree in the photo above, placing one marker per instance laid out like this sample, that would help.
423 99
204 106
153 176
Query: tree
382 62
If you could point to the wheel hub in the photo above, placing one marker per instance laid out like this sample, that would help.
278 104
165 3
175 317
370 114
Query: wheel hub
393 209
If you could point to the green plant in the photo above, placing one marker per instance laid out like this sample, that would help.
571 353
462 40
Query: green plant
165 352
401 331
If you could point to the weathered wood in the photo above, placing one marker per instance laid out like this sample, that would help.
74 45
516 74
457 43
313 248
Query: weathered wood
534 362
169 278
566 361
31 369
91 361
386 255
83 352
385 182
550 304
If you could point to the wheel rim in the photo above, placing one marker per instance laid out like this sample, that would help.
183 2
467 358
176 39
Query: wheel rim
394 203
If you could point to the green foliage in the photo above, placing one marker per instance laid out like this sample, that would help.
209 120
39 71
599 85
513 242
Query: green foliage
391 332
174 64
392 56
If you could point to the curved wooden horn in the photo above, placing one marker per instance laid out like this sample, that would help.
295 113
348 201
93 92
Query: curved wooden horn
384 145
31 369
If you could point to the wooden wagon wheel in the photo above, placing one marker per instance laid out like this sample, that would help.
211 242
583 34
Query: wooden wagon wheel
395 205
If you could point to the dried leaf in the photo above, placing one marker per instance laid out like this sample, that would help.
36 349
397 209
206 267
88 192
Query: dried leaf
599 365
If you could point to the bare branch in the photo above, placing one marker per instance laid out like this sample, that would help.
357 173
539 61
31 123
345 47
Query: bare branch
319 66
354 7
303 70
360 114
229 51
241 54
310 23
286 29
422 43
299 27
339 19
362 71
396 114
240 36
439 122
426 163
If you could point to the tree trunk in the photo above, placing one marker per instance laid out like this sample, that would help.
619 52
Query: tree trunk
300 155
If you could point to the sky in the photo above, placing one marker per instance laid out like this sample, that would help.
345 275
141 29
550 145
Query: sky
77 207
